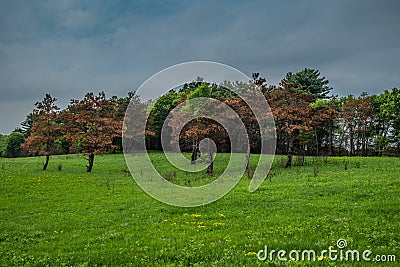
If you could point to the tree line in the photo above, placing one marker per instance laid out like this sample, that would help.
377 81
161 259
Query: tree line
308 121
90 126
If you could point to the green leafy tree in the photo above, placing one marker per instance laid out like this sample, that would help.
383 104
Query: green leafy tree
26 125
134 135
324 119
203 90
121 105
189 87
13 143
159 112
2 144
309 81
387 120
395 122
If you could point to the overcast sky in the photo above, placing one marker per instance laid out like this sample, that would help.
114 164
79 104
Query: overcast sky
67 48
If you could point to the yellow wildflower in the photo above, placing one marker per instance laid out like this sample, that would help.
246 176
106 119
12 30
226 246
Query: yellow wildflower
251 253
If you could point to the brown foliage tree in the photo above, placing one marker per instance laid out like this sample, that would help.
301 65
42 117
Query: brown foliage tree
357 117
195 131
293 115
91 124
45 129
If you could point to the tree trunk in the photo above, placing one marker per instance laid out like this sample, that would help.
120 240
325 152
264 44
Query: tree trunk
358 143
246 167
363 143
194 156
194 152
316 139
210 168
91 160
46 163
351 133
289 155
330 138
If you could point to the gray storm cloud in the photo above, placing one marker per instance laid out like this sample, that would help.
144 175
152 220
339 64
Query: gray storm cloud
67 48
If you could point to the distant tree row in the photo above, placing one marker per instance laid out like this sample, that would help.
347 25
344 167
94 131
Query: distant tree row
308 121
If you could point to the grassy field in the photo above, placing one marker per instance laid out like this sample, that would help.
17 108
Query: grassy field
74 218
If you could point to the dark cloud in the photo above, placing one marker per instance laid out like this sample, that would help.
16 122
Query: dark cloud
67 48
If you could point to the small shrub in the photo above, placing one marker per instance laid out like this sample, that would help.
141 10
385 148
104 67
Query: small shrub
250 172
316 171
270 175
169 176
325 159
110 184
282 162
299 160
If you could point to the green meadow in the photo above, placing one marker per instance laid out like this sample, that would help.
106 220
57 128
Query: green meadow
67 217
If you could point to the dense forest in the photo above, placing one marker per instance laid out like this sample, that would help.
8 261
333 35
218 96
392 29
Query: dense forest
309 120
